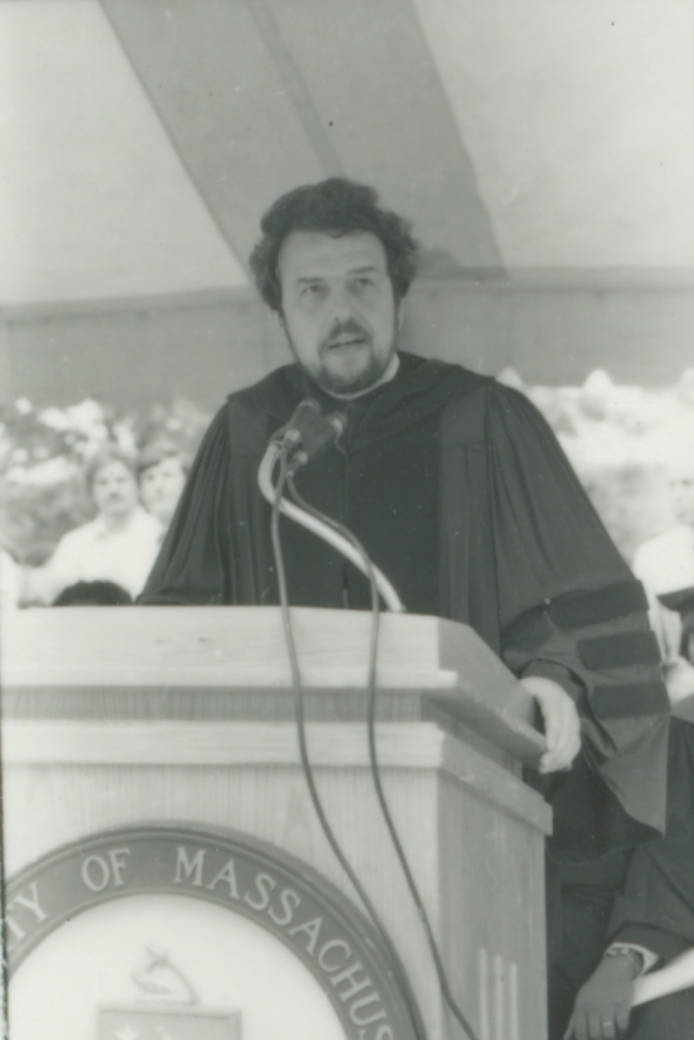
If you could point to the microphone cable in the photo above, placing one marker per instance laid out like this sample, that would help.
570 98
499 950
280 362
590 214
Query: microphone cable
396 970
329 532
368 569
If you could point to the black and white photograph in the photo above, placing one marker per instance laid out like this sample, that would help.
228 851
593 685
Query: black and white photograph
347 519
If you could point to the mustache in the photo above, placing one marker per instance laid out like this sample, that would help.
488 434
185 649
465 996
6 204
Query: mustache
344 328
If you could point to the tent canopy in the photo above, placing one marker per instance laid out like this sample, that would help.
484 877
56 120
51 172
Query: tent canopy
142 141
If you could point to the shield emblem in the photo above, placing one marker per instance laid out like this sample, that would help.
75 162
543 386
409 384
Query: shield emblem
134 1022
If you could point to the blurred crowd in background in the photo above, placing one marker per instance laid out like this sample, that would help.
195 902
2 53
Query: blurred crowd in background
87 493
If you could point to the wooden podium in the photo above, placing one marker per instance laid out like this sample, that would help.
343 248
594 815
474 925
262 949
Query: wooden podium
119 717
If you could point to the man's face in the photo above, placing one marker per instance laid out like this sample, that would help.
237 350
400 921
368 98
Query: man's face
114 490
161 486
338 308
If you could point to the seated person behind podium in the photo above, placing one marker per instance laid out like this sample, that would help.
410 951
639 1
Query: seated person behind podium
119 545
460 493
652 922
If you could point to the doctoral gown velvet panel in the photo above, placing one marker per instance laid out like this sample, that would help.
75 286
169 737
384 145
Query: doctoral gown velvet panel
462 496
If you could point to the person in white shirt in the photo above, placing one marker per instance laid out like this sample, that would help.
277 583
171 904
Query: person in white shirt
119 545
664 563
161 475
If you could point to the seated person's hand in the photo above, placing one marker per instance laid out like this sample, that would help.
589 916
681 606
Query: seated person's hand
562 724
603 1004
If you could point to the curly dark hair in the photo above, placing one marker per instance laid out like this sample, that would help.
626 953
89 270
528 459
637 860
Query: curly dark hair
337 206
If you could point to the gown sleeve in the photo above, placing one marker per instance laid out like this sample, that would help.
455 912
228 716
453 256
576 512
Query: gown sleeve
571 610
192 566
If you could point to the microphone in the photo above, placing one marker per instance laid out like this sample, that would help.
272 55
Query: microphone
309 432
306 435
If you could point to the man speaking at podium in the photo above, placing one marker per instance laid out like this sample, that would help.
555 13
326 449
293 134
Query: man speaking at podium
459 492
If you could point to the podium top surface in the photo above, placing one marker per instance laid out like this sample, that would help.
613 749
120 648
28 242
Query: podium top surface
243 648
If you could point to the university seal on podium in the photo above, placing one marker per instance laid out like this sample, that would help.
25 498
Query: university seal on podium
170 932
166 1008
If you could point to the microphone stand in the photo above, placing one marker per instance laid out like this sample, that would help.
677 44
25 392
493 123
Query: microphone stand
321 530
286 448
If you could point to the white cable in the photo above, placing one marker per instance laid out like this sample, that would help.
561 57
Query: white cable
317 527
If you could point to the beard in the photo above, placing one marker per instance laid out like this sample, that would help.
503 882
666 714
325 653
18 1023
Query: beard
346 383
346 362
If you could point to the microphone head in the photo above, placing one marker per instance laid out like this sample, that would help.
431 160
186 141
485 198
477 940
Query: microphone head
292 432
309 408
308 433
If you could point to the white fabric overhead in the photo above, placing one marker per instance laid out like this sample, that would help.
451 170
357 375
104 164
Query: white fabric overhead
94 202
575 146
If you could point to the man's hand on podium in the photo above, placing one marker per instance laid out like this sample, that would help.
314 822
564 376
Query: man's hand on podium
562 724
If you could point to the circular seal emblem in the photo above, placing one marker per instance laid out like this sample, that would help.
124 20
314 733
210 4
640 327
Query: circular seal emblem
165 872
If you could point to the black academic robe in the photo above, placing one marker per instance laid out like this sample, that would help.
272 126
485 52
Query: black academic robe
462 496
643 896
655 907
